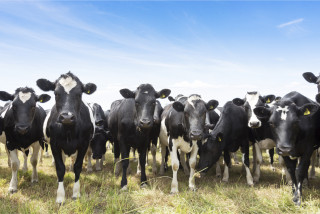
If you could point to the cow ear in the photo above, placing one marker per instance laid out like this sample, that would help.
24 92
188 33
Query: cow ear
308 109
171 99
238 101
269 98
262 112
212 104
126 93
179 107
5 96
163 93
310 77
45 85
277 99
43 98
90 88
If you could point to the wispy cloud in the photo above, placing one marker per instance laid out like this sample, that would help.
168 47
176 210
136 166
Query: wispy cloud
294 22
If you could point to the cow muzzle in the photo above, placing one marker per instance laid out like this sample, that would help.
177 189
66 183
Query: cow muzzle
67 118
254 124
284 151
145 123
99 123
196 135
22 129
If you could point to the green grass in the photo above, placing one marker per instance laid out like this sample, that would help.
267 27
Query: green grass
100 192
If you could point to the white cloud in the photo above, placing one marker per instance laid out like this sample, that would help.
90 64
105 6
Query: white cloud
294 22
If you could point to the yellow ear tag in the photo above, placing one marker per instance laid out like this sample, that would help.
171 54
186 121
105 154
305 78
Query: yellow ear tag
211 107
219 139
268 101
307 112
89 92
163 96
41 100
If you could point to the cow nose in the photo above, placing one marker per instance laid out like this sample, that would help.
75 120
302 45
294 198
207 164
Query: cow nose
22 129
283 151
67 118
254 124
145 123
195 135
99 123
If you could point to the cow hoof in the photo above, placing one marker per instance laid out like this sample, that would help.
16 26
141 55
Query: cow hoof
218 176
12 190
34 181
174 191
225 180
124 188
193 189
138 173
75 197
89 169
144 186
255 180
24 170
250 184
98 169
60 201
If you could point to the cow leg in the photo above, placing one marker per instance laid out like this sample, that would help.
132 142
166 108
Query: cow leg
34 161
154 159
175 167
15 164
138 167
235 158
25 161
254 158
117 161
8 154
291 166
60 168
192 164
134 154
99 164
41 156
258 162
163 158
245 161
218 170
183 163
89 156
227 160
271 154
285 171
77 170
125 149
142 159
312 174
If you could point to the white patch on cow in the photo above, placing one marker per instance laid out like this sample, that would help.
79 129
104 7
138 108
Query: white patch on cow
217 111
266 144
248 173
24 97
6 109
182 144
175 167
252 100
67 83
146 92
60 193
45 124
284 112
225 173
76 190
192 164
91 117
193 98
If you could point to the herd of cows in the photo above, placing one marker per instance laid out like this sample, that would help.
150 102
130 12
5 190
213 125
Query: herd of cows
186 128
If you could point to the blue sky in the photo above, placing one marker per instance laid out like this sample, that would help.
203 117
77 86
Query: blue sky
218 49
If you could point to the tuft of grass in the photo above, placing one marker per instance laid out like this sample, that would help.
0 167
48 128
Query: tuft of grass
100 192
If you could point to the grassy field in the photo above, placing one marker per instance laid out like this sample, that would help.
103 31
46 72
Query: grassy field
100 192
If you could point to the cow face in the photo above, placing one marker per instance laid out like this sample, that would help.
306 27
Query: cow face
284 119
98 143
23 107
210 151
99 116
68 91
145 102
251 101
195 110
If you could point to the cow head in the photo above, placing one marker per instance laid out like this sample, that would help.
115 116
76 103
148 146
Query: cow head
23 107
210 151
145 102
195 110
310 77
68 91
251 101
284 119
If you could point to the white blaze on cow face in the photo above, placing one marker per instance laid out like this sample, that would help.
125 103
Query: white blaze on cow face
193 98
252 100
24 97
284 112
68 84
145 92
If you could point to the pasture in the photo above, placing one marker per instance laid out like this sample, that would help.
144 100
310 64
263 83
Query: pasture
100 191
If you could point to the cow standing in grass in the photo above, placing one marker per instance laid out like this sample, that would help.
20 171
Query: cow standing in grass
130 122
69 125
22 124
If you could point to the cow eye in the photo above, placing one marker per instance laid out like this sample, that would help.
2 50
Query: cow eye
14 108
271 124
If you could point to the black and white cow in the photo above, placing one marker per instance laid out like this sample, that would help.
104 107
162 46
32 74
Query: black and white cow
97 147
294 122
261 135
70 125
22 124
130 122
230 133
183 124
